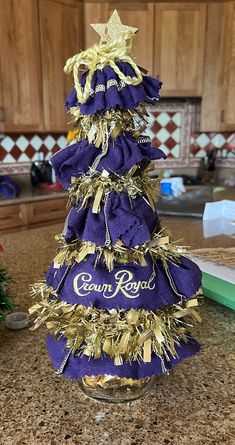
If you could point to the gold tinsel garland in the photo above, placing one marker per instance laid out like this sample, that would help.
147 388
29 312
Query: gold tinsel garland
159 247
97 128
132 335
97 185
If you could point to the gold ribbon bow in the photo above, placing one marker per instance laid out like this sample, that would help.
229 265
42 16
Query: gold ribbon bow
97 57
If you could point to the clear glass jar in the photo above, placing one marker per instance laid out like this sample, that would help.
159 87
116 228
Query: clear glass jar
115 389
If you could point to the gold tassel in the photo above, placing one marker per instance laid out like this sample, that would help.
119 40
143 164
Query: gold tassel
107 346
191 303
121 348
196 315
147 351
97 200
87 249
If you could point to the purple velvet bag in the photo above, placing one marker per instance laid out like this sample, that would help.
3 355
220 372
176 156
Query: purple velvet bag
108 91
123 153
8 187
77 367
127 286
130 220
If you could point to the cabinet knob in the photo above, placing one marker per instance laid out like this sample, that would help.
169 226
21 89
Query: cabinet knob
222 116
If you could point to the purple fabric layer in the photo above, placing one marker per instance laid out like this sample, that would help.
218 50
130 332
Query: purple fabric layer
123 153
77 367
127 286
131 221
113 92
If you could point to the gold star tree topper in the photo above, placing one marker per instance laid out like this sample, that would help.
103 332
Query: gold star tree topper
112 28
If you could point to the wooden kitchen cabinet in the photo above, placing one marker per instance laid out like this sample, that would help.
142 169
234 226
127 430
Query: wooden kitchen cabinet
25 214
20 66
137 14
37 37
93 13
48 210
190 46
1 105
228 86
61 37
218 110
179 47
10 217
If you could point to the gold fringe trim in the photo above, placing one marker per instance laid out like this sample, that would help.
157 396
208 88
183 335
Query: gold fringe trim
97 128
100 55
132 335
98 185
158 248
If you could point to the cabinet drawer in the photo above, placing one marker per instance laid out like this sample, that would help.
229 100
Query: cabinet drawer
11 216
49 210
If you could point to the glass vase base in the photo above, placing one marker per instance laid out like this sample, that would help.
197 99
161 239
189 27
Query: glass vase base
112 389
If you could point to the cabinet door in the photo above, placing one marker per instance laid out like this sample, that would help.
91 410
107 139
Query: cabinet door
179 47
213 80
93 13
228 67
137 14
20 66
218 98
1 104
10 216
48 210
60 31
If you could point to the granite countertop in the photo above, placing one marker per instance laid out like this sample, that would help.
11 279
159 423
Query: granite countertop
191 406
33 194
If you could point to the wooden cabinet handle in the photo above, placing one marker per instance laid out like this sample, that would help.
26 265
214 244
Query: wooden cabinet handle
1 114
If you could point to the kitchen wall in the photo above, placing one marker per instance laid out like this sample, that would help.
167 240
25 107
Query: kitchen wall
199 65
170 126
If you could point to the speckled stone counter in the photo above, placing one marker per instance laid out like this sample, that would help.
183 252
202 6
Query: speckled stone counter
191 406
31 195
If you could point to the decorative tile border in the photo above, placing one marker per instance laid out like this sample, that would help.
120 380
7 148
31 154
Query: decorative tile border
17 151
202 143
170 126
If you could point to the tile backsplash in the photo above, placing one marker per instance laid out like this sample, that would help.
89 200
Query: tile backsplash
202 143
17 151
170 126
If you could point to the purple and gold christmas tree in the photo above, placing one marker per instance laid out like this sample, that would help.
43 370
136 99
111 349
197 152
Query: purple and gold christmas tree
118 294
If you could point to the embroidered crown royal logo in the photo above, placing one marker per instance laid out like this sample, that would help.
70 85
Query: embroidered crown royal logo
124 283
